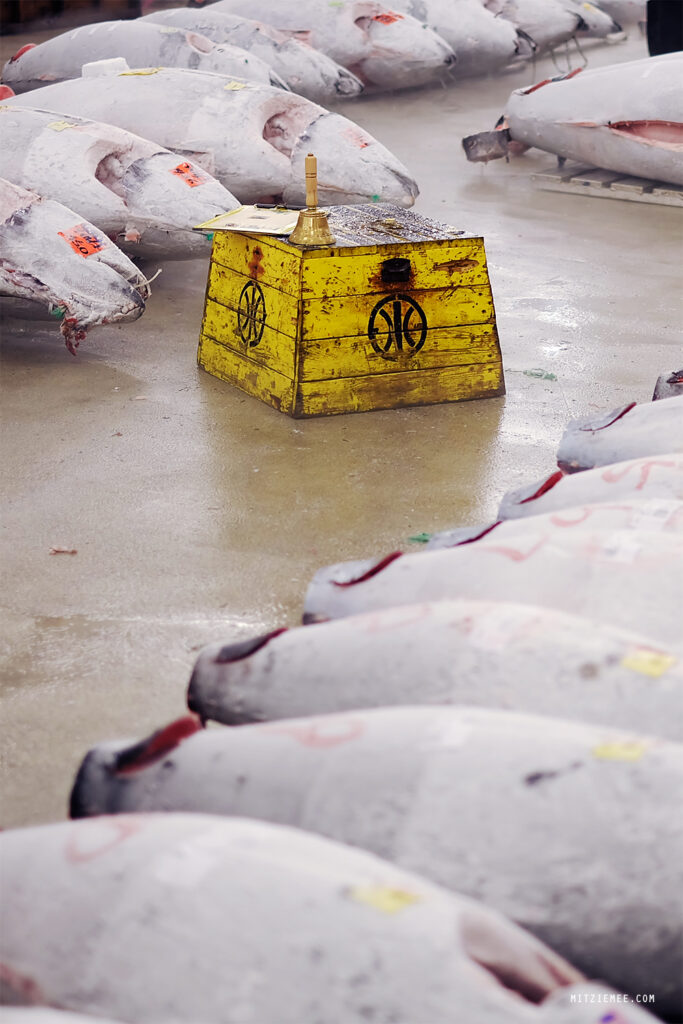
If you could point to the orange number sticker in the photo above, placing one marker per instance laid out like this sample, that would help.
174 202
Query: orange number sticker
82 240
192 176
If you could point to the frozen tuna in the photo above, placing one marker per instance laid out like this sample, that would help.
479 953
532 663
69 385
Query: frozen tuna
626 118
571 830
668 385
52 256
596 23
305 70
626 11
450 652
630 514
384 48
628 578
649 480
194 918
548 22
140 43
43 1015
136 192
252 137
481 41
634 431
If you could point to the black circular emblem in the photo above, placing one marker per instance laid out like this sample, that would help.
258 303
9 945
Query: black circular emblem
397 320
251 314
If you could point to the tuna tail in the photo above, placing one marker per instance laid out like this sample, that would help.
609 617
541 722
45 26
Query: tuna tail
526 46
485 146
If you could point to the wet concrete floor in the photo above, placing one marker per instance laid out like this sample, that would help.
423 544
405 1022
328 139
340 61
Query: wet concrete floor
199 514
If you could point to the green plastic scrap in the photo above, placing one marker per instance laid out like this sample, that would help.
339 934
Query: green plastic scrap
209 236
58 312
420 538
541 374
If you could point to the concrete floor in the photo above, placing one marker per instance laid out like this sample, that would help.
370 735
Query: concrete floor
199 514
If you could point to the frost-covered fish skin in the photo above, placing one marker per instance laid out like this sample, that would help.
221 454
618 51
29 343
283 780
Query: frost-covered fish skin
647 479
628 578
631 513
194 918
548 22
634 431
140 43
481 42
384 48
597 23
50 255
489 654
624 117
253 138
305 70
571 830
626 11
135 191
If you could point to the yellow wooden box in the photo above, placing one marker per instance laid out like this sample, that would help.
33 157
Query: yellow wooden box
397 312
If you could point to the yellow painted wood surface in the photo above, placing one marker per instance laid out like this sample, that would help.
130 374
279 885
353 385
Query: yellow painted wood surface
254 378
354 356
274 350
227 287
393 391
258 257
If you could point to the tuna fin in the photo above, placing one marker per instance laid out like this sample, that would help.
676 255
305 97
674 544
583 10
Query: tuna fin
485 146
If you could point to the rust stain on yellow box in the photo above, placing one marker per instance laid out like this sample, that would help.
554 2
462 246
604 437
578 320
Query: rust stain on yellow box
397 312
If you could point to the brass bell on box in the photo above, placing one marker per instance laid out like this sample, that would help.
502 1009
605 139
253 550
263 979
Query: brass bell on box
312 227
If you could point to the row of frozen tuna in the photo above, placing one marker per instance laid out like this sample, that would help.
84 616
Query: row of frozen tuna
409 752
322 50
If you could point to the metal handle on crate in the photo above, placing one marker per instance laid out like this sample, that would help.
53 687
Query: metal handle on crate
396 269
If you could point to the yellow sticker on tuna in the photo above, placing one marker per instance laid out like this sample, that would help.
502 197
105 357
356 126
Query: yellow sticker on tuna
621 750
234 86
384 898
142 71
648 662
61 126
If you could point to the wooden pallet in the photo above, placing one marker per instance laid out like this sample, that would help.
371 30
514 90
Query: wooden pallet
594 181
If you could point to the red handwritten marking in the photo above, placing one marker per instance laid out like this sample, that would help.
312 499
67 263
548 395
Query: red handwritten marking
24 990
82 241
372 571
514 554
585 514
382 622
314 735
547 485
122 828
190 174
388 19
612 476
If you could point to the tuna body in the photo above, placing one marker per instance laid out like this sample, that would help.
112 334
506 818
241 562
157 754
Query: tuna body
140 43
139 194
254 138
624 117
305 70
571 830
635 431
53 257
490 654
647 479
193 918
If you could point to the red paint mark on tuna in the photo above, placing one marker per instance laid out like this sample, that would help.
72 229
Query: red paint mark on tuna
357 137
6 92
23 50
546 486
617 416
82 241
583 515
549 81
388 19
612 476
514 554
322 734
157 746
255 268
191 175
382 622
482 533
372 571
22 990
89 840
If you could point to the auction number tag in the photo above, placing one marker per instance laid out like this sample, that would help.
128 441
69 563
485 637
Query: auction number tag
192 176
81 240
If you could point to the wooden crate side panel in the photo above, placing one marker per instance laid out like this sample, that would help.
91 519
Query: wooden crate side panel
433 265
280 311
257 380
445 307
354 356
393 391
255 257
274 350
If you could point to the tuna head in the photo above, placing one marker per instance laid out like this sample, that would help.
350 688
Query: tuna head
352 166
401 53
312 73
